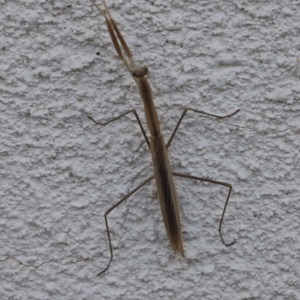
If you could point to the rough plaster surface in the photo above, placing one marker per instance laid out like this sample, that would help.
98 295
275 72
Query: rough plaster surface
60 172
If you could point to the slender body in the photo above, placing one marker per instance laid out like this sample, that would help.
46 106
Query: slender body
162 170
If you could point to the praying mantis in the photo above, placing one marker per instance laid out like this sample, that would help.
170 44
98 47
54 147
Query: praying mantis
163 173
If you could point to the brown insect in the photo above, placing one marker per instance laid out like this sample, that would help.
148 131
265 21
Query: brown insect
162 170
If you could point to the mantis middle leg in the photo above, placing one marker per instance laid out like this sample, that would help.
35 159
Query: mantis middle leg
199 112
122 115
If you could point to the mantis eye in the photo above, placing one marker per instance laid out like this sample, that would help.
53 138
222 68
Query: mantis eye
139 72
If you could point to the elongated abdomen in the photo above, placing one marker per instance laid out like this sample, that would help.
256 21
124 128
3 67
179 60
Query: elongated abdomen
166 192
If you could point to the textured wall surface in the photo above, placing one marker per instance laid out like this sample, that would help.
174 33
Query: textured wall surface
60 172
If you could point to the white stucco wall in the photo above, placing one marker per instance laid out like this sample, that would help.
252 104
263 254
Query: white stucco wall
60 172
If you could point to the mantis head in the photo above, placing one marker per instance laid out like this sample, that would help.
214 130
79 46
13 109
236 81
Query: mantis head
139 71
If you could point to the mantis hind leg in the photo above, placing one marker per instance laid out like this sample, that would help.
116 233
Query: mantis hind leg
226 202
106 220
